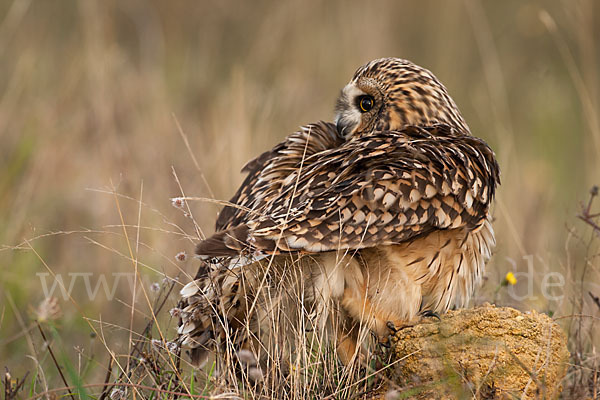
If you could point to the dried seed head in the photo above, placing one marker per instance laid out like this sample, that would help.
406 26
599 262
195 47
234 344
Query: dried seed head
175 312
48 309
155 287
181 256
178 202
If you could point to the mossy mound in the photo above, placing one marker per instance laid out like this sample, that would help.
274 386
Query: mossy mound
485 352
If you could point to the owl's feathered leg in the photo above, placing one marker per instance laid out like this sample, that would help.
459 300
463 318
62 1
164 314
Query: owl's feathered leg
381 293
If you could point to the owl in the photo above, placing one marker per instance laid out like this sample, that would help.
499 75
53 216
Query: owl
368 223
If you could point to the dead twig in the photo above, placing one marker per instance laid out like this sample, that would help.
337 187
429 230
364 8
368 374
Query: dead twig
137 386
10 390
62 376
107 387
586 214
595 298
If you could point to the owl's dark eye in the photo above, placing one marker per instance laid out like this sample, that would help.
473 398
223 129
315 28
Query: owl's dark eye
365 103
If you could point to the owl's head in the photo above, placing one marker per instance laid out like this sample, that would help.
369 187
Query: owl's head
391 93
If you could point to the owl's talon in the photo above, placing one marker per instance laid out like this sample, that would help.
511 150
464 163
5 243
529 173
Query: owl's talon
431 314
391 326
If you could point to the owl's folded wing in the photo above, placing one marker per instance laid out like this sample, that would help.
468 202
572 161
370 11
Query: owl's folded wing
267 172
381 189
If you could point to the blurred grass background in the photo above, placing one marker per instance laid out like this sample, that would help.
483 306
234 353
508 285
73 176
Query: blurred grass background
92 92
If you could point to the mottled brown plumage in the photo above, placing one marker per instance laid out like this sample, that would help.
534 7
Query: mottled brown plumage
373 220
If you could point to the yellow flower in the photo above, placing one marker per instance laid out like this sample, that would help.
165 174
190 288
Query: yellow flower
510 278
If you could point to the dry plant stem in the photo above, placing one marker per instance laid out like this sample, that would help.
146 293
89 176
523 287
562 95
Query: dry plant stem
586 215
147 206
24 245
135 266
374 373
587 101
199 233
531 374
72 300
221 203
106 379
53 357
115 251
576 316
191 153
136 386
10 392
136 351
285 221
28 337
162 337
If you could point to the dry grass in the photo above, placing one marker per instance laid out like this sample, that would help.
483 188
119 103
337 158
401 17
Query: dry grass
108 109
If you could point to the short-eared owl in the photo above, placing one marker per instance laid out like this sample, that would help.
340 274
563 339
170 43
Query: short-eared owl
366 223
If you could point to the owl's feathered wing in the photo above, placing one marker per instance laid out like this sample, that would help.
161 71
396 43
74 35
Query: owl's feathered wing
267 172
319 193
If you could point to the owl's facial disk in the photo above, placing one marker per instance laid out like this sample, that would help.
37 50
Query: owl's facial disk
357 108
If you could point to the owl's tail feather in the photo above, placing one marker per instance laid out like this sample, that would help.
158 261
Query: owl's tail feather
257 303
237 240
214 309
226 243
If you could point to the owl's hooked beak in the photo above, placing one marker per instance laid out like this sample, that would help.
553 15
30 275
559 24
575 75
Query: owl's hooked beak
343 126
347 117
